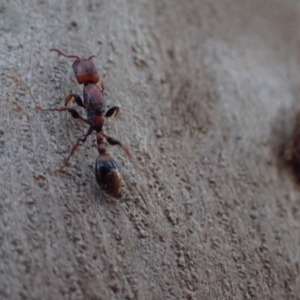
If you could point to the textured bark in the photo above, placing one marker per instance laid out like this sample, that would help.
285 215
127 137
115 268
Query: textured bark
208 91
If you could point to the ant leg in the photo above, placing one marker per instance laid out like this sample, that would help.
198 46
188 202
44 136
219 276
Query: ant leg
82 139
76 98
72 111
114 142
115 110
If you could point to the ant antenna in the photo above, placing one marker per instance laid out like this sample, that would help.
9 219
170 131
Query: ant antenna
93 56
67 56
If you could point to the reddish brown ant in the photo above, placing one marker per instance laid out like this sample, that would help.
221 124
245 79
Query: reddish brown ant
106 170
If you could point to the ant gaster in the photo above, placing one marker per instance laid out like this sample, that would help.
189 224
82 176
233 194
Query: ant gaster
106 170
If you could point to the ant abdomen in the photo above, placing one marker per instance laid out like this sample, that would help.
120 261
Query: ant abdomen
107 175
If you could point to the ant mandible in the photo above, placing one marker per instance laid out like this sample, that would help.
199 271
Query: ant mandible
106 170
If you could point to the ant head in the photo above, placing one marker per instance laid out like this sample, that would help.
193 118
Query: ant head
84 69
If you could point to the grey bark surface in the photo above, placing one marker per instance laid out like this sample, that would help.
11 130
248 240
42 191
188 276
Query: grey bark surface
208 91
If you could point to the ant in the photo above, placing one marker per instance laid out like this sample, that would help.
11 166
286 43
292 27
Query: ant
106 170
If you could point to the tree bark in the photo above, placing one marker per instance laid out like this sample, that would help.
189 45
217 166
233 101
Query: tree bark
208 91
